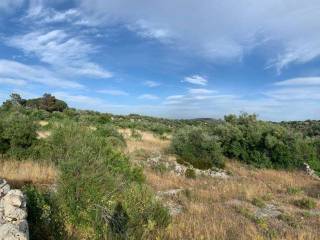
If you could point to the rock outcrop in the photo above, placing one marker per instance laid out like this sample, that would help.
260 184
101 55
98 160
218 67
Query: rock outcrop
180 169
13 213
309 171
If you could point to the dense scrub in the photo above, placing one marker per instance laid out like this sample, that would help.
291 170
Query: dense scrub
95 180
17 134
262 144
198 148
100 194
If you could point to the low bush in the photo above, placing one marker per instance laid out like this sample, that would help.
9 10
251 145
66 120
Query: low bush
258 202
264 144
190 173
111 134
94 178
17 134
306 203
193 145
45 218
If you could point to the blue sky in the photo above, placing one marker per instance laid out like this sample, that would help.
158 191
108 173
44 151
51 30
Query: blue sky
169 58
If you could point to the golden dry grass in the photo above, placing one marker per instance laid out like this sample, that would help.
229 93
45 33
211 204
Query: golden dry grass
148 141
21 172
208 209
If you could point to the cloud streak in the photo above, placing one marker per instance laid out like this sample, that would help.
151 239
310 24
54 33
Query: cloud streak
33 74
220 31
61 50
196 79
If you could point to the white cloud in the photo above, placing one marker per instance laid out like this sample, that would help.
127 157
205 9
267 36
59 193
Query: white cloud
62 50
113 92
291 93
9 5
196 79
148 97
307 81
152 83
200 91
220 30
33 74
80 100
175 97
12 81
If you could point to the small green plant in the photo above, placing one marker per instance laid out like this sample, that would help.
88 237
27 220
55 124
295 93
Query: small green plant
306 203
294 190
288 219
195 146
160 168
136 135
190 173
45 218
258 202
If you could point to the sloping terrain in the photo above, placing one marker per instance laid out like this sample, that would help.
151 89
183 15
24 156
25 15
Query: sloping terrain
250 204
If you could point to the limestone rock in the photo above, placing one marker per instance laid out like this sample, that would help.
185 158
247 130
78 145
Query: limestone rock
13 214
10 231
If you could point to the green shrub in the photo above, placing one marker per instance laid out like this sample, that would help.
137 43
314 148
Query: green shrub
160 168
264 144
17 134
306 203
190 173
288 219
94 178
294 190
136 134
45 218
193 145
111 134
258 202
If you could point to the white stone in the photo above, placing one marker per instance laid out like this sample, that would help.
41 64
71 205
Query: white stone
14 198
10 231
12 212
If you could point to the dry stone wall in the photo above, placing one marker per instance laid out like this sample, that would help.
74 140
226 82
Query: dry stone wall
13 213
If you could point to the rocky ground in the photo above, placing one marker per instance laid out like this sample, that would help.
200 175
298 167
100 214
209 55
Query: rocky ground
13 213
238 202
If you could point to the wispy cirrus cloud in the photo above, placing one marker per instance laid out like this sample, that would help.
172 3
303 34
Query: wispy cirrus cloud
60 49
208 28
196 79
113 92
148 97
12 81
201 91
9 5
302 81
151 84
33 74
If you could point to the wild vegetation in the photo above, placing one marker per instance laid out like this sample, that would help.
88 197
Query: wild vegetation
87 177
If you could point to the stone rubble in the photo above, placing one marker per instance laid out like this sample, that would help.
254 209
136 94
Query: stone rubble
167 198
309 171
13 213
180 169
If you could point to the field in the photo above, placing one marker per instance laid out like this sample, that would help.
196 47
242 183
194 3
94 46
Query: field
89 175
212 208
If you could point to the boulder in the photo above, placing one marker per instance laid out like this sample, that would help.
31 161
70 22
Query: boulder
10 231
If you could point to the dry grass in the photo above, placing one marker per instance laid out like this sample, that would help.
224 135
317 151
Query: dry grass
148 142
19 173
209 210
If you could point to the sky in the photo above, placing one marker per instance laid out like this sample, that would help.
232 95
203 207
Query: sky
168 58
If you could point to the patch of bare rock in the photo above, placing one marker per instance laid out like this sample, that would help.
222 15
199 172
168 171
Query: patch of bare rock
180 169
13 213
